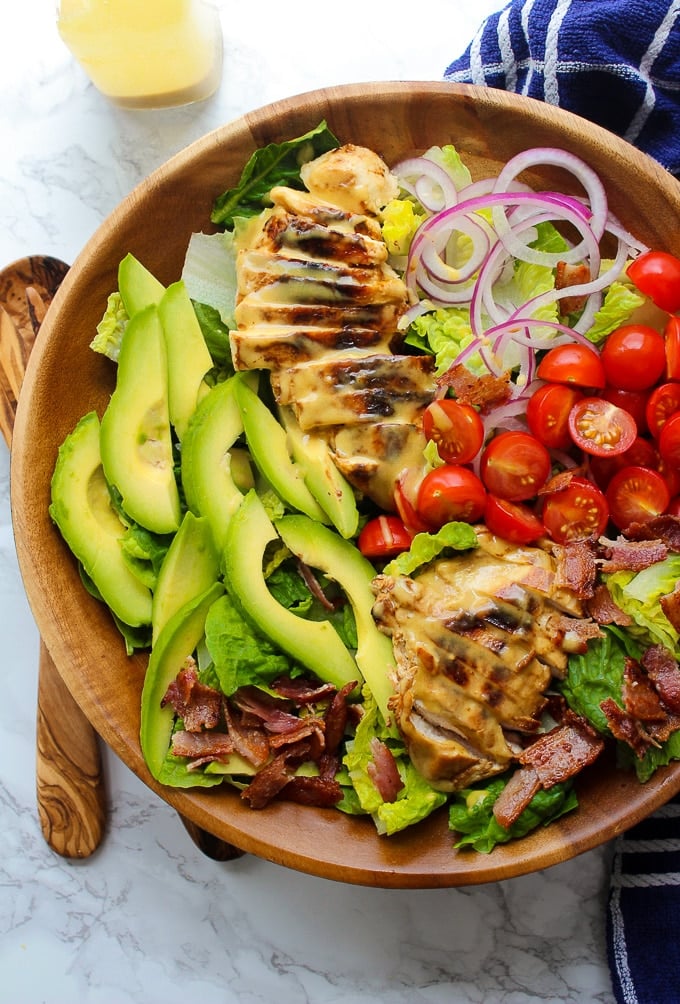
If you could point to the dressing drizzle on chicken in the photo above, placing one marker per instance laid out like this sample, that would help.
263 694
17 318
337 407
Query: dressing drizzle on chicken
477 640
318 305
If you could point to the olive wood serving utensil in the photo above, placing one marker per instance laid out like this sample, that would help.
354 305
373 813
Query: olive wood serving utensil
70 785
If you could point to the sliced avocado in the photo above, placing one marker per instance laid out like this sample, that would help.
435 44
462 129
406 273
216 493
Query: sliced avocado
188 357
176 642
326 483
81 508
321 548
138 287
191 565
207 479
268 445
315 644
136 444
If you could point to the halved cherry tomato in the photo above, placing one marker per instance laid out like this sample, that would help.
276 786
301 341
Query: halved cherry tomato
636 495
450 493
455 428
634 357
641 454
632 401
573 364
384 537
512 521
663 402
548 414
576 512
669 441
601 428
514 466
406 498
672 339
657 275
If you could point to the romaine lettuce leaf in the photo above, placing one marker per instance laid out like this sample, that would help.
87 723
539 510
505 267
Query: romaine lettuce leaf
274 164
209 273
111 327
638 594
594 676
619 302
425 547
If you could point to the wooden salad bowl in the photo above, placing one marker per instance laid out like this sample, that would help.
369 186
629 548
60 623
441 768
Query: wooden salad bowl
65 379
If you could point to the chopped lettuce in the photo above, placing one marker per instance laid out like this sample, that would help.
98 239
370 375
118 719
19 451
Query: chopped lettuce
416 800
274 164
594 676
619 302
471 814
638 594
400 220
111 327
448 157
425 547
444 333
209 273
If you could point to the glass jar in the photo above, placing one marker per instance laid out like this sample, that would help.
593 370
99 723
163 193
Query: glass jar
145 53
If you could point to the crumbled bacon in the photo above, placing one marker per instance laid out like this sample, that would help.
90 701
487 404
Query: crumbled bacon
259 707
201 747
623 555
564 751
198 705
485 392
250 741
604 610
640 698
670 604
625 727
567 275
576 567
558 482
573 633
665 528
663 670
515 796
383 771
301 690
322 792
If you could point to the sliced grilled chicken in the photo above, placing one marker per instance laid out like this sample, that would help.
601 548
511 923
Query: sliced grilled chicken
318 305
477 640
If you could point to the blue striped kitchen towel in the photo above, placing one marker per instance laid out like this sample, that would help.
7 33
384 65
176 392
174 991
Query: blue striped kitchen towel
615 62
643 941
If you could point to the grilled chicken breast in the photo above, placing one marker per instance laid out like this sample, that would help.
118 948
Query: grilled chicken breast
318 305
477 640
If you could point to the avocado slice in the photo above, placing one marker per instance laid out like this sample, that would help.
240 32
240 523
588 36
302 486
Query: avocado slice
81 508
137 286
190 566
268 445
315 644
136 444
188 357
176 642
327 484
209 486
321 548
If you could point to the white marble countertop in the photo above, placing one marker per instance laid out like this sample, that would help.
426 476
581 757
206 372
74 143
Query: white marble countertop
148 918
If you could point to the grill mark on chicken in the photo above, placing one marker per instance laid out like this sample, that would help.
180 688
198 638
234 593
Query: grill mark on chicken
318 305
477 640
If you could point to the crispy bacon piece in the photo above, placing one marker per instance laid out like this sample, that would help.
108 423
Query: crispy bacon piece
301 690
311 728
198 705
275 775
664 672
322 792
602 608
270 712
625 727
573 633
564 751
640 698
250 741
201 747
485 392
665 528
516 795
567 275
383 771
670 604
623 555
576 567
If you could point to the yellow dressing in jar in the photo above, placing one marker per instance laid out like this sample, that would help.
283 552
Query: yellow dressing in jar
145 53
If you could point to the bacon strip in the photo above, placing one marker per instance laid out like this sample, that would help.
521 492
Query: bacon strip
604 610
198 705
623 555
383 771
516 796
670 604
201 747
486 391
640 698
564 751
665 528
664 671
576 567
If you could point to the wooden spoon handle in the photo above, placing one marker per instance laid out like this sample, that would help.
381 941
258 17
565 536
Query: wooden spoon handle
70 788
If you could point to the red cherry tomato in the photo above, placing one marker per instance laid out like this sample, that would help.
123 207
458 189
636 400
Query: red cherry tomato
663 402
573 364
669 441
384 537
634 357
601 428
641 454
671 475
512 521
636 495
548 414
657 275
456 428
674 506
672 339
576 512
632 401
450 493
514 466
